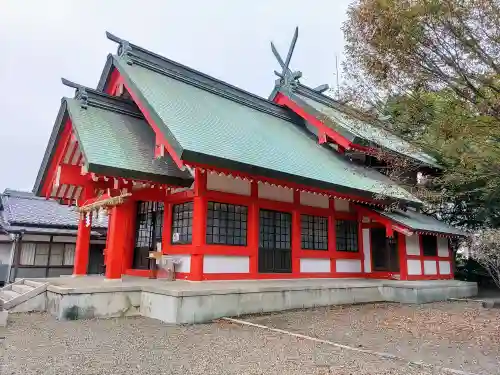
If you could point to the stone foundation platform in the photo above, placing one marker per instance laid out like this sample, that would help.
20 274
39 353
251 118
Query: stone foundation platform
179 302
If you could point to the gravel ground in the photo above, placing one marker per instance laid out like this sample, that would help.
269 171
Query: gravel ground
458 335
38 344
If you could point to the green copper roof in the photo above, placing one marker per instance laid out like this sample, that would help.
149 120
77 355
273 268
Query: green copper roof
119 144
365 131
420 222
206 127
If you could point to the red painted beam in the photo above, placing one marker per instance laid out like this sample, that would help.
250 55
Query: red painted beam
323 130
389 224
287 184
61 148
71 175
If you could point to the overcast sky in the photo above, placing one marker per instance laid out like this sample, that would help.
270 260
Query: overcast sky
42 41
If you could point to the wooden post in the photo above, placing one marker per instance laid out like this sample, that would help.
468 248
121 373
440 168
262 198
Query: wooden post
253 229
119 229
83 239
199 224
82 248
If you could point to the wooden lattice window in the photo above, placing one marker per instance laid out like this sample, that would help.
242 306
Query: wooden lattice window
347 235
182 223
149 224
429 245
226 224
314 232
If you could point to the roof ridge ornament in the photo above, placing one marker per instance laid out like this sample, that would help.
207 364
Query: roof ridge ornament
80 91
123 47
288 78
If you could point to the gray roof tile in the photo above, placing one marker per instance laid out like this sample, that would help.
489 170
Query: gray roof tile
421 222
34 214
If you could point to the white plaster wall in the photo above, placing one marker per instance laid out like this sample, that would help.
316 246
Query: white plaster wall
36 238
414 267
180 190
314 265
412 245
341 205
367 250
275 193
185 263
315 200
228 184
444 267
443 247
226 264
65 239
430 267
5 237
348 265
5 248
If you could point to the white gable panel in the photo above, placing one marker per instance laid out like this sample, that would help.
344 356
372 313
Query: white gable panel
228 184
315 200
341 205
443 247
412 245
275 193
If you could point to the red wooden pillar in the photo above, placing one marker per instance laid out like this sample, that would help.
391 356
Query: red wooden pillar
403 264
82 248
332 236
361 245
128 255
167 228
253 230
296 234
199 225
120 227
83 239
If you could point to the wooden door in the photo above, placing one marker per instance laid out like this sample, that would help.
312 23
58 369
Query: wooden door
149 225
275 242
385 255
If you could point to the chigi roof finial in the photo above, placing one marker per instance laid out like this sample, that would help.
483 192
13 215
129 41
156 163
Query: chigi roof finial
80 91
287 77
124 45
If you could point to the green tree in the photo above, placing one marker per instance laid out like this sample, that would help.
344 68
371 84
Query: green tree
434 65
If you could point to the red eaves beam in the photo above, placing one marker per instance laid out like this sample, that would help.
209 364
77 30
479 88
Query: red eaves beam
323 130
61 148
71 175
388 223
115 81
290 185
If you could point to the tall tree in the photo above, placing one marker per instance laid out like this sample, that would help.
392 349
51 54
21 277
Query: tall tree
438 63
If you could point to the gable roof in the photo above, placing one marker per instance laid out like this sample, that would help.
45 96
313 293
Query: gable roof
420 222
114 139
23 211
354 128
207 121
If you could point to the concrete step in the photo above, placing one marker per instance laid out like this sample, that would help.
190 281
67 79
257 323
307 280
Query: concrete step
33 283
7 295
21 288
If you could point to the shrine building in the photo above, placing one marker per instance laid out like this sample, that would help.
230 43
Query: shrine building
233 185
